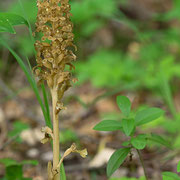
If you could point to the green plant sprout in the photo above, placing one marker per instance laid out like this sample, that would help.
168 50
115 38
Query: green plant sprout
128 126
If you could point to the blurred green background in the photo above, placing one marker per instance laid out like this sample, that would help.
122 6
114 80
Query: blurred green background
128 47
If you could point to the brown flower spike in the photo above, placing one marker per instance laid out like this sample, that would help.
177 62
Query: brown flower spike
54 52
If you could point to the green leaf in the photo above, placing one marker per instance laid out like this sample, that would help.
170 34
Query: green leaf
46 102
14 19
108 125
14 172
148 115
158 139
27 8
30 162
116 160
139 142
8 20
8 162
126 143
62 172
28 20
178 167
128 126
172 175
124 105
5 26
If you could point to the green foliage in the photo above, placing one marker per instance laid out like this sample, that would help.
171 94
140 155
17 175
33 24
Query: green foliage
177 142
46 103
8 162
153 51
158 139
91 15
124 105
98 65
178 167
127 70
25 44
126 143
18 127
14 169
139 142
85 15
14 172
90 27
116 160
173 13
30 162
91 8
8 20
29 7
108 125
128 127
148 115
166 89
170 176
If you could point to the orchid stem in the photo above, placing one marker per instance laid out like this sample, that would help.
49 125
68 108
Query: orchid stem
56 147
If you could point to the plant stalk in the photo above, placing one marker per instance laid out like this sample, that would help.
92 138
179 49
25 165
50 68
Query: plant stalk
142 163
56 151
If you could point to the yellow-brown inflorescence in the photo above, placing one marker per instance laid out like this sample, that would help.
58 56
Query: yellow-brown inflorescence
54 51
